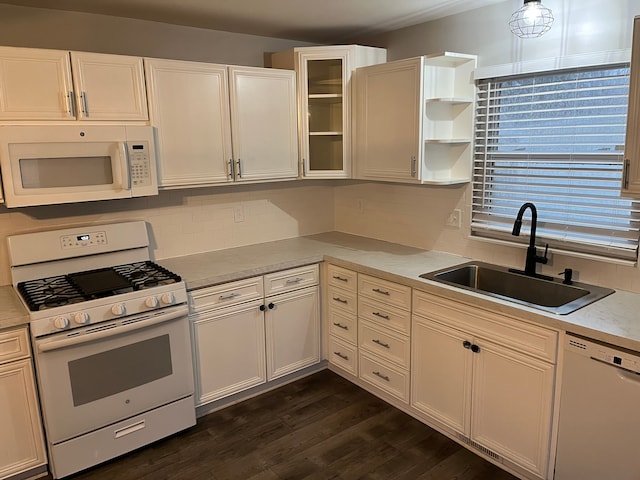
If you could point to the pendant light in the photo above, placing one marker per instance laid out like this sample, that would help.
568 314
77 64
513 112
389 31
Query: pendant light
531 20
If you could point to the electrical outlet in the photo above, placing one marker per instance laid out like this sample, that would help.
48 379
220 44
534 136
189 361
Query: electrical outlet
238 214
454 219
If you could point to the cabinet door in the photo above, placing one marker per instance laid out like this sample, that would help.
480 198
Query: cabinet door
189 107
389 121
512 401
35 84
292 331
109 87
264 123
631 173
441 374
229 351
21 439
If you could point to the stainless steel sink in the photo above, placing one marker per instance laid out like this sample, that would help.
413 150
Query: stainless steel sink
549 294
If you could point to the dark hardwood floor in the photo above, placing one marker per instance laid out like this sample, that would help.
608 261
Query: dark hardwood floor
319 428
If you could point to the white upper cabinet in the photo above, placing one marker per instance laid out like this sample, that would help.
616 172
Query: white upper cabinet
109 87
39 84
188 104
414 120
631 172
263 123
325 103
219 123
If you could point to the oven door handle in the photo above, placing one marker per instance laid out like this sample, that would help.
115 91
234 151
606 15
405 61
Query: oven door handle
47 345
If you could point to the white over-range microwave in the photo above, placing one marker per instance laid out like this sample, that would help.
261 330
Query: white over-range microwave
49 164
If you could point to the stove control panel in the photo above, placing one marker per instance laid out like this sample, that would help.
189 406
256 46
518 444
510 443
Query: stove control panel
88 239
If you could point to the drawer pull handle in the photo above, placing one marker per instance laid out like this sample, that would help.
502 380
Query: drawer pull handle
338 299
381 292
378 314
230 296
341 355
381 343
384 377
292 281
339 325
337 277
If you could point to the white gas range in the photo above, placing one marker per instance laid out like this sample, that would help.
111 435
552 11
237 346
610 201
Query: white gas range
111 341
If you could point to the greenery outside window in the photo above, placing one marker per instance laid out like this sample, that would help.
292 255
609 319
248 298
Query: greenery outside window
556 139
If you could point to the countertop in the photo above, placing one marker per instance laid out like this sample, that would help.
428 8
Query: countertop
613 319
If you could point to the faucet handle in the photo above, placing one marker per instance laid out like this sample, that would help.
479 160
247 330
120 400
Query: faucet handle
544 258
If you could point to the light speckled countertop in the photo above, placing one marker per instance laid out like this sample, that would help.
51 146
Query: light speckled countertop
12 312
614 319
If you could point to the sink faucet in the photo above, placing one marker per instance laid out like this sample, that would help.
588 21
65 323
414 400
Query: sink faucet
532 254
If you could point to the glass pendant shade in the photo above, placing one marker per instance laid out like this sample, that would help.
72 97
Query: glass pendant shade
531 20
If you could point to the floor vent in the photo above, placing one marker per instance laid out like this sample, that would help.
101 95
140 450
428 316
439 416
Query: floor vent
479 447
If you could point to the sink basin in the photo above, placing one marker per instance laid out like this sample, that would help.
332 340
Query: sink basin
550 295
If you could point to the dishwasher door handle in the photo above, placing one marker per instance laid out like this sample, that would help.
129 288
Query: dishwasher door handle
628 373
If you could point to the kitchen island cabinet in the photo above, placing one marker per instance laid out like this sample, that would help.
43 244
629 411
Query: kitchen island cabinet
42 84
21 439
219 124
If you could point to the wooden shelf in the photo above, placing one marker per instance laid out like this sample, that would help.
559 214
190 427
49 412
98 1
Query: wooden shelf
451 100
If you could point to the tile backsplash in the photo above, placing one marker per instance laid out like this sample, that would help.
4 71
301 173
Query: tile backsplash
184 222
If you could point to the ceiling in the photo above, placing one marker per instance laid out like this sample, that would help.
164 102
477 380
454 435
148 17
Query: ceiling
316 21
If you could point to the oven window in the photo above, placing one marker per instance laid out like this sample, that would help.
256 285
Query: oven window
65 172
123 368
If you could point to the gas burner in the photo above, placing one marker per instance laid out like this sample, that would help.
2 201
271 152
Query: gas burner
147 274
49 293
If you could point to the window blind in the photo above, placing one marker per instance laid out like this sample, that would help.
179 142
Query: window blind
555 139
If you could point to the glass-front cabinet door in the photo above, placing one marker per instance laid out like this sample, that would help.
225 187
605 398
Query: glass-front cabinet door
325 103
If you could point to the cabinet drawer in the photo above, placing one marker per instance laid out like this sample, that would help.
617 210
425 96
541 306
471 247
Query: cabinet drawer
288 280
391 346
343 324
384 315
342 278
392 380
343 355
14 344
342 299
388 292
508 331
226 294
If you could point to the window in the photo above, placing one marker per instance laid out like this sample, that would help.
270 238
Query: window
556 139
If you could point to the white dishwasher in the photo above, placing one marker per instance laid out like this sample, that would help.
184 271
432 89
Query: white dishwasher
599 420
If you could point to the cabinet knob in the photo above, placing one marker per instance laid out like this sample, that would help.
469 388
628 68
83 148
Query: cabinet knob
475 348
466 344
262 308
271 306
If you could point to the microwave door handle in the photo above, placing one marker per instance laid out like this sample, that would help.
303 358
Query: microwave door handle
125 167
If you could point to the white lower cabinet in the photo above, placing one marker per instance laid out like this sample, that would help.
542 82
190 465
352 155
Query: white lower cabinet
488 379
21 438
244 337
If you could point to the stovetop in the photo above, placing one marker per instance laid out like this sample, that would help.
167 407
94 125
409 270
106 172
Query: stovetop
74 288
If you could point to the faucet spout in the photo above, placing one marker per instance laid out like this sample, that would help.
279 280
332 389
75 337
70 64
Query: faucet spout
532 255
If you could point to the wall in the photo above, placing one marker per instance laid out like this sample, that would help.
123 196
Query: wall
191 221
416 215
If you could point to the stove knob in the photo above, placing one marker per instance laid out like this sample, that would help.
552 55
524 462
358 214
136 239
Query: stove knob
61 322
81 318
118 309
168 298
151 302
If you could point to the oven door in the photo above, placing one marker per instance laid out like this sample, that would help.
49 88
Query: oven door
98 375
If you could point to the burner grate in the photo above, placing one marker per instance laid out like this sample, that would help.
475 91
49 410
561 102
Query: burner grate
49 293
143 275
